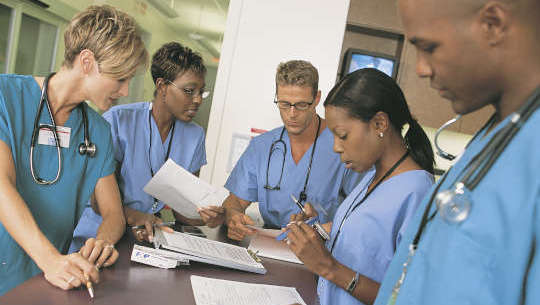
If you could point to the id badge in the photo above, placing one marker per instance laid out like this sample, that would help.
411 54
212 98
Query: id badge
46 136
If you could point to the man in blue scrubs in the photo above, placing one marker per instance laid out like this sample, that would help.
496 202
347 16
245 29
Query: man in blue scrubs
277 163
477 53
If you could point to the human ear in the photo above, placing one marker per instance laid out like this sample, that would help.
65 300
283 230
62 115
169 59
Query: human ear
494 18
317 98
380 122
87 61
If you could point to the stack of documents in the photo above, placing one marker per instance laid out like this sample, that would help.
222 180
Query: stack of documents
264 243
209 251
208 291
183 191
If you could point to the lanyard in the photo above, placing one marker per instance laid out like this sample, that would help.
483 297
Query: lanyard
353 206
154 205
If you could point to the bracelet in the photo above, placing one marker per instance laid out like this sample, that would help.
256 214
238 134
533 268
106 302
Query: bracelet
352 283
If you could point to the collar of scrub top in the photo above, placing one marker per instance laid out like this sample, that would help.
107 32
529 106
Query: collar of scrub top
353 206
154 205
303 195
475 170
86 148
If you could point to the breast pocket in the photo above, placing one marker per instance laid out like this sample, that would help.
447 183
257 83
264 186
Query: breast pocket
454 270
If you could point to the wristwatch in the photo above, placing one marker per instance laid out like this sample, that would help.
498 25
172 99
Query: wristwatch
352 283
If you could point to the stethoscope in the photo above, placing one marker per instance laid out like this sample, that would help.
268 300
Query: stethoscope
303 196
86 148
155 204
454 204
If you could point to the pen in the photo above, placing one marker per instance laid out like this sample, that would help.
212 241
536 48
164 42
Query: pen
298 204
89 286
316 224
163 224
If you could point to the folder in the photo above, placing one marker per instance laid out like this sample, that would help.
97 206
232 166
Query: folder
209 251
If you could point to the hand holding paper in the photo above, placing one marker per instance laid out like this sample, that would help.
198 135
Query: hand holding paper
183 191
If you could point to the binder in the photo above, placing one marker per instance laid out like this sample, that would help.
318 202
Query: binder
209 251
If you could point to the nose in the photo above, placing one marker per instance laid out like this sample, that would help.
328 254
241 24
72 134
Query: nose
197 99
423 69
124 88
338 148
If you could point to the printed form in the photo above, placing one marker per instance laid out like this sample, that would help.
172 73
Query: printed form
183 191
209 291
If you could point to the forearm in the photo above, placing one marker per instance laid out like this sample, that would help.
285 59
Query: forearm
16 217
366 289
107 196
111 228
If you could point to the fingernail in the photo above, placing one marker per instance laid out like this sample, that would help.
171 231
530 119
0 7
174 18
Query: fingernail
97 266
298 222
151 238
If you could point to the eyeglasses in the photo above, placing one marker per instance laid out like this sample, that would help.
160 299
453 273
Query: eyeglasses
302 106
192 92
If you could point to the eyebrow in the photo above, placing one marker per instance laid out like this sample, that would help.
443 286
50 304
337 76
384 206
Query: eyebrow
415 41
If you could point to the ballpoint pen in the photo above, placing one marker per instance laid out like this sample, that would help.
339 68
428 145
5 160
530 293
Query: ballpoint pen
317 225
89 286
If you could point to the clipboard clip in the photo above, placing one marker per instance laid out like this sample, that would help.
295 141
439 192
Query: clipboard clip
254 255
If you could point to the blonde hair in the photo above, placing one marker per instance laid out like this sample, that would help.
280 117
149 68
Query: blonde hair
113 38
298 73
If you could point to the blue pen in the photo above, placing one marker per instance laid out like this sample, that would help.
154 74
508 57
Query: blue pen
283 235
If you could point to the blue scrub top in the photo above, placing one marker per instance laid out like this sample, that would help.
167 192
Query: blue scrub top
492 257
328 175
371 233
131 138
56 208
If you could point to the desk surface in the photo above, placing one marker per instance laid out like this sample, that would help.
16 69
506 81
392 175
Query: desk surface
127 282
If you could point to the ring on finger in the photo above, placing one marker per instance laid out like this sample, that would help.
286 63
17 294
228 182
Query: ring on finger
111 246
71 279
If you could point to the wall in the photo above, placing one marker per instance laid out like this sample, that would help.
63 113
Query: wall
425 103
259 35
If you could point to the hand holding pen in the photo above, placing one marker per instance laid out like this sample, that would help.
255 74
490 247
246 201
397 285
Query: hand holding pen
145 231
307 212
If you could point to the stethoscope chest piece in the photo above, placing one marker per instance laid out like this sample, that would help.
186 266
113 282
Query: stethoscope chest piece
454 205
87 148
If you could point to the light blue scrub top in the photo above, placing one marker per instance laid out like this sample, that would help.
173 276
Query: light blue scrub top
328 175
131 138
493 256
56 208
372 231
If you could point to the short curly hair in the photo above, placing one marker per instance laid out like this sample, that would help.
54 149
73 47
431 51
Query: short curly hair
298 73
173 59
111 35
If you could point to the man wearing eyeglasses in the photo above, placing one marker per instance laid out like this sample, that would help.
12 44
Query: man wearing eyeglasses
295 159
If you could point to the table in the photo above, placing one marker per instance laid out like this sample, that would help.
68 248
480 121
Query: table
131 283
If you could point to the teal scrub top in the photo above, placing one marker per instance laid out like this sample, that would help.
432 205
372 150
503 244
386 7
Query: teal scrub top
57 207
134 153
329 182
492 257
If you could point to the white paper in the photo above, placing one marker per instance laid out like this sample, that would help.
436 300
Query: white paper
208 248
264 243
183 191
208 291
